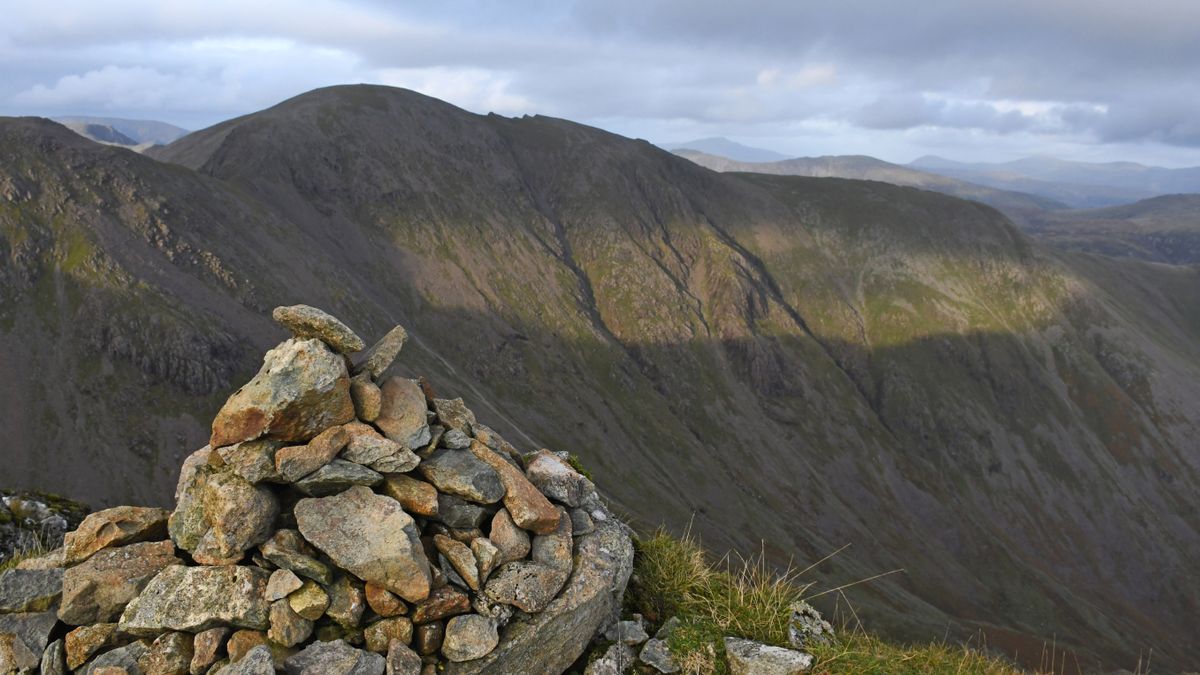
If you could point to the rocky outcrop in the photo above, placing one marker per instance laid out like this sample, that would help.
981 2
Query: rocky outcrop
330 528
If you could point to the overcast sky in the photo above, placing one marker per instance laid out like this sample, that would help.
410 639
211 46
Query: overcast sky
967 79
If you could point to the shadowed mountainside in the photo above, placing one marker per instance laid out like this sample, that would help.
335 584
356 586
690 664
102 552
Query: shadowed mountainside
805 362
1163 229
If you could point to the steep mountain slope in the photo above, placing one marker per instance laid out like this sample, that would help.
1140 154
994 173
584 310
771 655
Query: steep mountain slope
869 168
1162 229
804 362
1079 184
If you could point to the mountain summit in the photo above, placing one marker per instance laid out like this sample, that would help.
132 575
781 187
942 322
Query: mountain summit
788 362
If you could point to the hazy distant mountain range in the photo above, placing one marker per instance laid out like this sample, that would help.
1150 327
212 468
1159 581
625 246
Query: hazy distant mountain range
784 362
724 147
119 131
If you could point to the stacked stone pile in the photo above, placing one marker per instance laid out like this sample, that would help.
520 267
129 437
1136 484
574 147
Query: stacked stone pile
339 521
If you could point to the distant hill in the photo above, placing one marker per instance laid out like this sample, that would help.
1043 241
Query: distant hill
101 133
135 132
870 168
1160 229
726 148
1077 184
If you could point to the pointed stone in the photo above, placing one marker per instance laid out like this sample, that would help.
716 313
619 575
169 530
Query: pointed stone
380 356
54 659
302 389
281 584
462 474
85 642
460 558
486 554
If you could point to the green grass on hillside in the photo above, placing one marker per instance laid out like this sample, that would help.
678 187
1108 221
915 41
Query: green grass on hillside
673 577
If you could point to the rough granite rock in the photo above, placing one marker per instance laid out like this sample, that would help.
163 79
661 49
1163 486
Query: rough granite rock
254 461
125 657
556 479
29 590
281 584
456 512
454 414
402 660
462 474
460 557
310 322
806 626
383 353
310 601
219 515
380 454
747 657
114 527
33 628
657 656
257 661
384 602
15 656
206 649
54 659
528 507
98 589
382 633
297 461
552 640
402 413
442 602
632 633
336 477
302 389
512 541
370 536
469 637
287 627
487 556
455 440
367 397
555 548
526 585
85 642
347 602
194 599
416 496
170 654
287 549
618 659
334 658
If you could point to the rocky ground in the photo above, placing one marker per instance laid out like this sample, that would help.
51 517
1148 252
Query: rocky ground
33 521
340 521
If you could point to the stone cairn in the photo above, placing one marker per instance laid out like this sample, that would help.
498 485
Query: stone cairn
339 521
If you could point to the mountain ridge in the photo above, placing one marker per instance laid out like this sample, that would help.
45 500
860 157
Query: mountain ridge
842 353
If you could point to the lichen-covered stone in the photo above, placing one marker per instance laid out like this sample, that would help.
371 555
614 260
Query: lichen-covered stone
556 479
287 627
198 598
287 549
383 353
334 658
402 660
219 515
370 536
85 642
297 461
98 589
54 659
257 661
309 322
310 601
746 657
461 558
382 633
254 461
461 473
402 413
15 655
469 637
512 541
367 397
33 628
170 654
347 602
528 507
336 477
454 414
29 590
416 496
456 512
281 584
302 389
383 602
206 649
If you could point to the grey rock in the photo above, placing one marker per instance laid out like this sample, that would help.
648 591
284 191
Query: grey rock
455 440
747 657
281 583
336 477
219 515
170 654
558 480
114 527
512 541
54 659
370 536
302 389
254 461
287 627
297 461
381 355
807 627
454 414
469 637
30 590
554 550
334 658
122 657
310 322
381 454
33 628
287 549
656 655
463 475
15 656
553 639
618 659
402 413
97 590
347 602
632 633
456 512
194 599
581 522
401 660
528 586
257 661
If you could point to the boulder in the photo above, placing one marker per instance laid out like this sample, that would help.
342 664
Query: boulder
370 536
552 640
219 515
30 590
747 657
302 389
469 637
380 356
114 527
194 599
99 589
310 322
556 479
334 658
462 474
806 626
528 507
402 413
